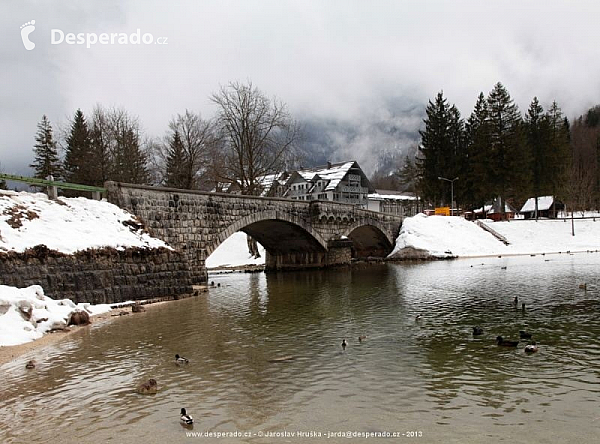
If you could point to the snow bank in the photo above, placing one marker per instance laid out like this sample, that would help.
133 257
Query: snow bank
446 236
67 225
450 236
26 314
234 252
549 235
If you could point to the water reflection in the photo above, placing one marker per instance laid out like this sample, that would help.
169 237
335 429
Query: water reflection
429 374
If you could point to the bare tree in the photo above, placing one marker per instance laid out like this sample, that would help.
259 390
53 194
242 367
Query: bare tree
257 134
195 136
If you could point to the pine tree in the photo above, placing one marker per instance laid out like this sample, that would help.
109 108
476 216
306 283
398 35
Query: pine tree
46 162
538 132
176 163
130 160
79 159
559 155
100 148
509 159
407 175
476 170
441 143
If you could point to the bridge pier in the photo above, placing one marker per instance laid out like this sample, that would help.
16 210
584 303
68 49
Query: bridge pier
339 252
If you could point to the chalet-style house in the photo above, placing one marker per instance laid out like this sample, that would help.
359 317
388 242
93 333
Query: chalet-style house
339 182
548 206
343 182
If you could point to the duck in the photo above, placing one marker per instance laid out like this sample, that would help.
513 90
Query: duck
30 364
418 317
147 387
531 348
344 344
181 360
185 418
516 301
506 343
362 338
524 335
477 330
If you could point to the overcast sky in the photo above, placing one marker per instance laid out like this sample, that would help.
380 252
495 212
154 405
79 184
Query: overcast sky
331 60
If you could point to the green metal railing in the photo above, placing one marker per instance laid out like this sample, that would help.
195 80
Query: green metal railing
52 183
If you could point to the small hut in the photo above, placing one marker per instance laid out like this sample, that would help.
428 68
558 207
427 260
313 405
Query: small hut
548 207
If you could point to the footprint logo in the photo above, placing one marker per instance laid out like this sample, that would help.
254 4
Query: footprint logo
26 29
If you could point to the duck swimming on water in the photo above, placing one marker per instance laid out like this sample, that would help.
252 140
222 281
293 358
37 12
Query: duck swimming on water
504 343
181 360
148 387
185 418
531 348
477 330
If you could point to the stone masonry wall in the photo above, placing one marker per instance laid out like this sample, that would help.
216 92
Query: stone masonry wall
99 276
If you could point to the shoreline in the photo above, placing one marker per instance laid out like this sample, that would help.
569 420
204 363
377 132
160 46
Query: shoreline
446 258
10 353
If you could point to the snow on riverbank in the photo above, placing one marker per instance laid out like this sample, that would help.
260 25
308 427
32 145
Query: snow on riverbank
67 225
447 236
234 252
26 313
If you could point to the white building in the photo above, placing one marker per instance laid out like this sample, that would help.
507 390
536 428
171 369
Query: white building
338 182
343 182
393 202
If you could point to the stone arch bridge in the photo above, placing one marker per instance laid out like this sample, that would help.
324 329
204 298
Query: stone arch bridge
295 234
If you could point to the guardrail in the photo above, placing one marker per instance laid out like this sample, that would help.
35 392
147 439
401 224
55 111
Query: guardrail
53 184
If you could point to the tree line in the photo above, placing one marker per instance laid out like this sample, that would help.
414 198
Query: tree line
250 136
498 153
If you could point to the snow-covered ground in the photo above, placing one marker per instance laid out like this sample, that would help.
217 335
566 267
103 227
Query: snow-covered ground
447 236
234 252
44 313
67 225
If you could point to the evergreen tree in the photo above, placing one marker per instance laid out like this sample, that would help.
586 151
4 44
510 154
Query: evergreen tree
475 172
176 176
407 175
100 148
130 160
79 159
559 156
441 142
46 162
509 159
538 133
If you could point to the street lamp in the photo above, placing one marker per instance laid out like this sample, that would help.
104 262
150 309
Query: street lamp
451 192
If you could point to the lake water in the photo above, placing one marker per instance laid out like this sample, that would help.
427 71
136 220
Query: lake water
428 379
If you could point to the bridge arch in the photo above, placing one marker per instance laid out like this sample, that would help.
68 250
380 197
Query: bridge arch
369 239
276 231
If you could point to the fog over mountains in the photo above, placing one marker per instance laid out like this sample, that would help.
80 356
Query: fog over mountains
371 138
